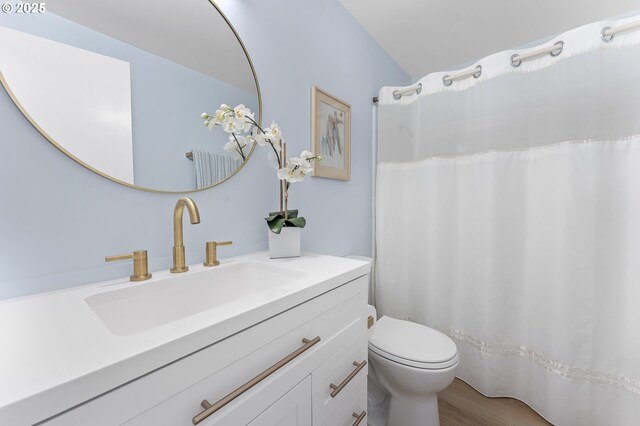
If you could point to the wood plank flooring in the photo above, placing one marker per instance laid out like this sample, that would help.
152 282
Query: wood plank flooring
462 405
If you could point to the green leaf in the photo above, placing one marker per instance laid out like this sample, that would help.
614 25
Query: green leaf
298 222
276 221
272 215
276 225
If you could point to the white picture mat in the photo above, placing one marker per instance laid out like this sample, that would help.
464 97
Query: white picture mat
332 136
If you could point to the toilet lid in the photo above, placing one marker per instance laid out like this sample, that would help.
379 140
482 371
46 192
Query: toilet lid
412 344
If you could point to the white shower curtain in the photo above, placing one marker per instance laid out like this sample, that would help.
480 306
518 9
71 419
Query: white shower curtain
508 216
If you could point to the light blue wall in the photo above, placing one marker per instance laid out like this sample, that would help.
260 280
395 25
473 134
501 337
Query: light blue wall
58 220
166 101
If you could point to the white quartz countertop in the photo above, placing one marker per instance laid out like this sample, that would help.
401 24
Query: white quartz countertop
56 353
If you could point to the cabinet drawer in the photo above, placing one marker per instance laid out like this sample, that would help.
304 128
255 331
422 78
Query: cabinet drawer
293 409
172 395
338 379
352 410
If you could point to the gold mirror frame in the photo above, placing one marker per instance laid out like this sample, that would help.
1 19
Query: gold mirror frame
142 188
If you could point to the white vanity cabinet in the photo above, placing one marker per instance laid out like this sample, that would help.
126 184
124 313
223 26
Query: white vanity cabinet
320 345
293 409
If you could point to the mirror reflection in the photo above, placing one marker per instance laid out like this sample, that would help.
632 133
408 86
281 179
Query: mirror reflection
119 86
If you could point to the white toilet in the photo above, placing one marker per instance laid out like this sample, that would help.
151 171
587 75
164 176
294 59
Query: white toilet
412 363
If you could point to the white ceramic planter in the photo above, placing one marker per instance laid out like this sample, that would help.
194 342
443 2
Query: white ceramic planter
284 244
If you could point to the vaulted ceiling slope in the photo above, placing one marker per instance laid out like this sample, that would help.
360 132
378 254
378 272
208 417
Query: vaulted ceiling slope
426 36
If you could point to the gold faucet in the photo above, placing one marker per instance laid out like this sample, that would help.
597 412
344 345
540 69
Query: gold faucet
178 243
211 258
140 264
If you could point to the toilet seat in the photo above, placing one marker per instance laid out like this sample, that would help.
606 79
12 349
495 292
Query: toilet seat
412 344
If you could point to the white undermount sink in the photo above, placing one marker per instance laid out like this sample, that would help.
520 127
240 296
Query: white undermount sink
144 306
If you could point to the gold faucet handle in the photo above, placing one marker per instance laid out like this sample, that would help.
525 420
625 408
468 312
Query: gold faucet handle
140 264
211 258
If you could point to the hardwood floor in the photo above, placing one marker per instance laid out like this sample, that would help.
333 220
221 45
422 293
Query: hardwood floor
462 405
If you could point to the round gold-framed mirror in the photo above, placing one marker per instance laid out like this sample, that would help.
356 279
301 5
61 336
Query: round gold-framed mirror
119 87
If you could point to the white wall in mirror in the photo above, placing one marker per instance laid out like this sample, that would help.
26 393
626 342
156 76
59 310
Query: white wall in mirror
87 103
167 97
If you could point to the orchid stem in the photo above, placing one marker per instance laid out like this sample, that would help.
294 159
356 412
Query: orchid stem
285 184
276 152
268 140
280 183
239 147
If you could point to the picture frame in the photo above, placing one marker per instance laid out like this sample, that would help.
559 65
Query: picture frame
330 135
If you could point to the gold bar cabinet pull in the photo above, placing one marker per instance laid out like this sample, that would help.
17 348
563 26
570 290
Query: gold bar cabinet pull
140 264
211 256
209 408
338 388
359 417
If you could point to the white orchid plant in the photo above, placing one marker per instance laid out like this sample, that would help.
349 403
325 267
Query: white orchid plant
244 132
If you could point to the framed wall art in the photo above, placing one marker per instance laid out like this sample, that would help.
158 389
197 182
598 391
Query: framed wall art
330 135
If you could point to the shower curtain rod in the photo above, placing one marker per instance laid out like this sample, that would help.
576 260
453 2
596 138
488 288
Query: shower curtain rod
608 33
397 94
553 50
476 72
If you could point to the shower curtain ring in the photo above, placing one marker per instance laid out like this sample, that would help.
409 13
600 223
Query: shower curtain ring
478 73
606 38
515 64
557 51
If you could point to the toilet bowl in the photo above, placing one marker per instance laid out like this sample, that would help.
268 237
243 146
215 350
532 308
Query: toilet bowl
412 363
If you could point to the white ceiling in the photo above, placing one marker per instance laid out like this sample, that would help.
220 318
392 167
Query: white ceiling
425 36
189 32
